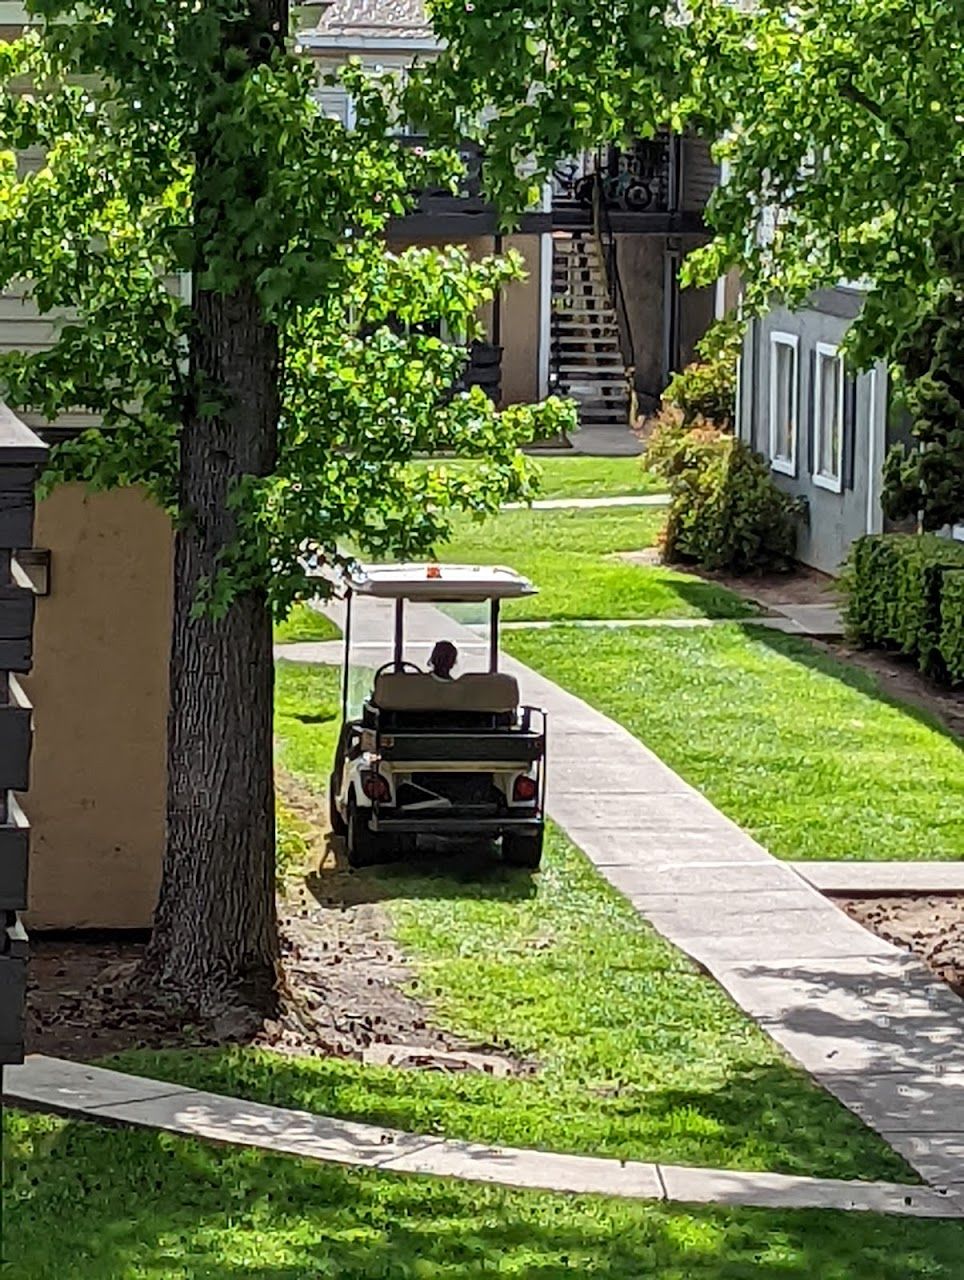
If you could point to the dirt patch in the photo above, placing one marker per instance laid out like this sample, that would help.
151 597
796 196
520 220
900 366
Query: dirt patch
348 985
930 926
801 586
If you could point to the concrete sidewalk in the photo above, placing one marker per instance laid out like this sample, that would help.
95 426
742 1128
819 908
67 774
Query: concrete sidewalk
79 1091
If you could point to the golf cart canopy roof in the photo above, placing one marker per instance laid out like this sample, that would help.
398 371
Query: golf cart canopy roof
441 583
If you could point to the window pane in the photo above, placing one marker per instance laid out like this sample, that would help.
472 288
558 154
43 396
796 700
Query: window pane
785 377
830 375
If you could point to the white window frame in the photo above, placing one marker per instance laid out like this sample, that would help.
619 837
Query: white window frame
823 480
778 462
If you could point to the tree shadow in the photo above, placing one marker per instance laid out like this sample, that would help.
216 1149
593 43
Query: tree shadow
438 870
94 1203
803 650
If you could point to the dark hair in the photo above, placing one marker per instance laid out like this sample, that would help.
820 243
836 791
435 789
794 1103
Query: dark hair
443 658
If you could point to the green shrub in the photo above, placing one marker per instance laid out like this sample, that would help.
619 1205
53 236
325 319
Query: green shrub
725 511
952 624
896 584
705 391
664 445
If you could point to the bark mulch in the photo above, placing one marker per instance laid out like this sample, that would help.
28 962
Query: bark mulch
930 926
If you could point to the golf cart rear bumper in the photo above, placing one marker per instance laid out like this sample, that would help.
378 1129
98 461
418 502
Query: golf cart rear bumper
452 824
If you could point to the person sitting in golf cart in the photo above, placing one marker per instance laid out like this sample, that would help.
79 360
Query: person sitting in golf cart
443 659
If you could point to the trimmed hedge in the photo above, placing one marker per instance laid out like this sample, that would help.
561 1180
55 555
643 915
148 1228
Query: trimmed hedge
905 592
952 624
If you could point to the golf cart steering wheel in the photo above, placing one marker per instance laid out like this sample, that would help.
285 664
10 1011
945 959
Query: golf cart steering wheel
398 666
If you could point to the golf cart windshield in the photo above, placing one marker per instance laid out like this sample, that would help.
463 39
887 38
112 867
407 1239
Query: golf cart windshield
371 642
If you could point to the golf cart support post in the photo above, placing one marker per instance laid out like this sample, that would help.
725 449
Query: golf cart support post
430 756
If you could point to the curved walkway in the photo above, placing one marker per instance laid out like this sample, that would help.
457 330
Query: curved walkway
91 1093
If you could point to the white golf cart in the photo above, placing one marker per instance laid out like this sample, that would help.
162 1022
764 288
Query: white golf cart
420 755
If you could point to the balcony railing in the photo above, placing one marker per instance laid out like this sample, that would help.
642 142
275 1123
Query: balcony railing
641 178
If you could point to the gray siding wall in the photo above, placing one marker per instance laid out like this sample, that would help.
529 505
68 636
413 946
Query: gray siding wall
833 520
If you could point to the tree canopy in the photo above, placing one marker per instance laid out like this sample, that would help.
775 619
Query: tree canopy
211 251
103 229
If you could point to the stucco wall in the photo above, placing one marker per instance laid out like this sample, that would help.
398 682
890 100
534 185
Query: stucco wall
834 520
520 326
697 308
100 694
641 269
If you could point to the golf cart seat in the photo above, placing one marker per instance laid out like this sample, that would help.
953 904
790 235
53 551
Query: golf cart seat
490 693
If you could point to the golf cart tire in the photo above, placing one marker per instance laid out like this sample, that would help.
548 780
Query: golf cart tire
522 849
363 847
337 823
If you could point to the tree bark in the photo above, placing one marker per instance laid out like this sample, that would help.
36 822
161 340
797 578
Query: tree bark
215 941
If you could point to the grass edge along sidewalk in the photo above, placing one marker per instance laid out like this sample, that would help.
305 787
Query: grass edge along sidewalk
807 754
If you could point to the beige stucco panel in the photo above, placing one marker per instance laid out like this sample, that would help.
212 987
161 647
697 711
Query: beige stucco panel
520 326
519 312
100 694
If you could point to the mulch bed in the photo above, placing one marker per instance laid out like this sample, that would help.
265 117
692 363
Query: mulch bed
930 926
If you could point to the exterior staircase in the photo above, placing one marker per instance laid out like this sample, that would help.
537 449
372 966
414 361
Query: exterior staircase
587 360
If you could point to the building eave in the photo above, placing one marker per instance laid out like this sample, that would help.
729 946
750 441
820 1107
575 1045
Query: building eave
346 43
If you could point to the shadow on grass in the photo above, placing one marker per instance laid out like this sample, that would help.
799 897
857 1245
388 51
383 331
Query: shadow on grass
96 1204
438 870
760 1118
802 650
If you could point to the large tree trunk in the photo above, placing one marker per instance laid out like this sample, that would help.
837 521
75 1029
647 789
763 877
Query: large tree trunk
215 942
215 934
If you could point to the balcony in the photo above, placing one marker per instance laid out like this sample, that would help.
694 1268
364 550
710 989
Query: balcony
658 184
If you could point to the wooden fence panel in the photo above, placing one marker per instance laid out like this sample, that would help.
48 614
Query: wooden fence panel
21 456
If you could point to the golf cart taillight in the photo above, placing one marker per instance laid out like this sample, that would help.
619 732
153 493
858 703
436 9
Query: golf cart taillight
375 786
525 788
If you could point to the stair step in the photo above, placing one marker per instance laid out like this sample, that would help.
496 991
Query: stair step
581 328
606 369
574 344
569 304
608 354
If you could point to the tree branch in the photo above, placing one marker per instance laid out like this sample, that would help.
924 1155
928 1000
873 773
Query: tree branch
850 91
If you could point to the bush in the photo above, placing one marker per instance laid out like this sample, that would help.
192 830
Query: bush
705 391
896 586
952 624
725 511
664 446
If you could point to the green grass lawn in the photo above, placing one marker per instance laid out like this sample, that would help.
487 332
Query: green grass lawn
802 751
91 1203
639 1054
305 624
576 476
579 477
572 557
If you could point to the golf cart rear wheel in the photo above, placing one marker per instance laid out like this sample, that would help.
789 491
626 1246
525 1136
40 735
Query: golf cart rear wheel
522 849
363 847
338 825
